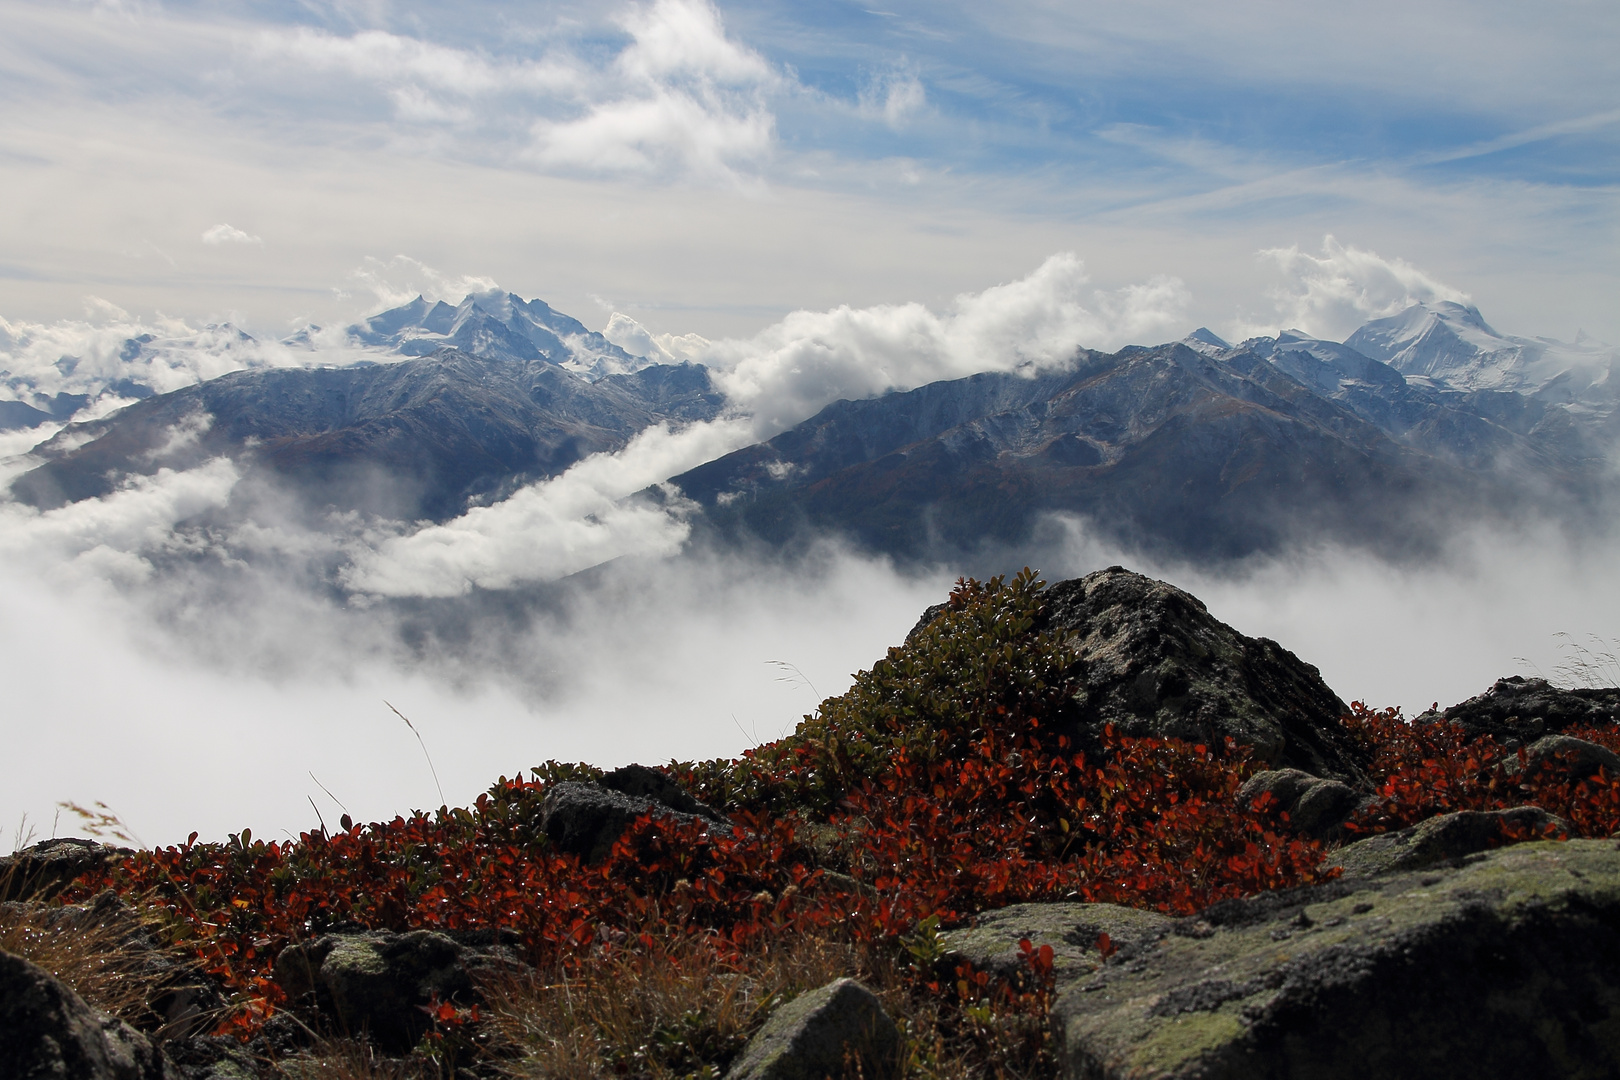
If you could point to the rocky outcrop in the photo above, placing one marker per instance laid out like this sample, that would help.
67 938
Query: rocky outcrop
45 869
585 819
821 1034
1156 662
376 984
645 782
1517 710
1315 807
1500 965
1446 837
47 1031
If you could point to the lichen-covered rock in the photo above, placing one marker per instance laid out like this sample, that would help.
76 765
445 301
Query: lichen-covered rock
377 983
1517 710
1447 836
1156 662
585 819
1574 757
817 1034
49 1032
1315 806
1072 930
1505 966
45 869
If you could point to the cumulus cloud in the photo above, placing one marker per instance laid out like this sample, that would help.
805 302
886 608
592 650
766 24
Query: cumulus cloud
555 527
1330 294
810 359
228 234
632 337
114 537
683 97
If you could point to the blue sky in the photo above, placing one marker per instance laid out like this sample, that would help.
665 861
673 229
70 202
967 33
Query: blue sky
709 168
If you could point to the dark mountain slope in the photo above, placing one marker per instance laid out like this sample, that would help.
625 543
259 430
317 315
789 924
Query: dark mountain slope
1195 455
418 438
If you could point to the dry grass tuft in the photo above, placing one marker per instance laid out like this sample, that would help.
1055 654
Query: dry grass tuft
685 1011
353 1059
674 1012
101 951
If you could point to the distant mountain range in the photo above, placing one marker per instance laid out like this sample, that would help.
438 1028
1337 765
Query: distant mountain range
1200 448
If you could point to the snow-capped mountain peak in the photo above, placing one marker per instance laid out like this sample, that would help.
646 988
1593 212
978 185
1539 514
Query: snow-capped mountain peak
497 325
1452 346
1206 341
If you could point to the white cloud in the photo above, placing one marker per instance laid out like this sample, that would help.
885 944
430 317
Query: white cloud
228 234
1331 294
631 336
810 359
413 66
552 528
681 98
402 279
894 98
112 537
72 356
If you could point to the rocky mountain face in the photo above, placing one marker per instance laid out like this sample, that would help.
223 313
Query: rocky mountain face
1205 452
1198 449
419 438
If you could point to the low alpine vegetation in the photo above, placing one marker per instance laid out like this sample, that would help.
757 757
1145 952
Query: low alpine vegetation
939 786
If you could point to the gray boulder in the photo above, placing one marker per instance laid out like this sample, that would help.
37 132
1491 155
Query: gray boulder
45 869
1574 757
1504 966
814 1035
585 819
1517 710
645 782
1445 837
1315 806
379 983
49 1032
1156 662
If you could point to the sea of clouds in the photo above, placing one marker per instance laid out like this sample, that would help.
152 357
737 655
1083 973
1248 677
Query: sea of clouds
196 669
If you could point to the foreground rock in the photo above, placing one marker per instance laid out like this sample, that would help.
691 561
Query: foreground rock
585 819
821 1033
1446 837
1156 662
1518 711
1506 966
377 984
47 1031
